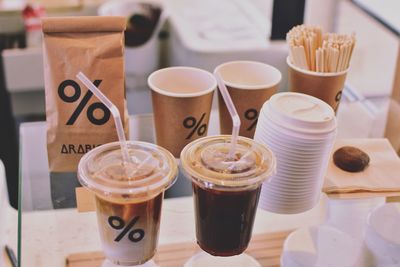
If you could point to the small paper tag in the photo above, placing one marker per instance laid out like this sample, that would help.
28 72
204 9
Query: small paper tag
393 199
84 200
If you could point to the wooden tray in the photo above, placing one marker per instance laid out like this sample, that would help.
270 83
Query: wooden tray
266 248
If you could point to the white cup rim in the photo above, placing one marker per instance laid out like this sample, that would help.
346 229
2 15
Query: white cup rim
329 230
250 87
314 73
107 5
282 120
371 225
296 133
155 88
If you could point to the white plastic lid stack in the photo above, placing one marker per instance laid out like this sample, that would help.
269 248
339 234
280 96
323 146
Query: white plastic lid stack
301 113
300 130
321 246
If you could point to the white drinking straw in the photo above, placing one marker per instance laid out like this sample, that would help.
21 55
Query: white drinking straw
232 111
114 111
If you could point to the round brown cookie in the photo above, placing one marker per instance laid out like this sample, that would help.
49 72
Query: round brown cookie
351 159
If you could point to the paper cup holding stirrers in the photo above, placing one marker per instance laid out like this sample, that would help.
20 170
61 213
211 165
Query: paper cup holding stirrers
318 62
250 84
182 98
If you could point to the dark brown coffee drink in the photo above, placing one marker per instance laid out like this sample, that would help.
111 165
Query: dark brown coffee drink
226 189
224 220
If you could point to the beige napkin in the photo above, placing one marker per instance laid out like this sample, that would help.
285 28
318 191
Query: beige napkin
380 178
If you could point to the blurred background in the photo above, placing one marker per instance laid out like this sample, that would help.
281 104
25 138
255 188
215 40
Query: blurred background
204 34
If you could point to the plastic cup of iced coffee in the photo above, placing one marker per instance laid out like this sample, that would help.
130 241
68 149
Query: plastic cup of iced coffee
226 189
129 197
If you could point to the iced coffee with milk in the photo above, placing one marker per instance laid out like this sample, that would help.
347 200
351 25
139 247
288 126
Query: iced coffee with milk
129 197
226 190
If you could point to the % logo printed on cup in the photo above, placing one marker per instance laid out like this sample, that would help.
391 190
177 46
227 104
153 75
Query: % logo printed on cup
337 99
196 126
90 113
134 235
251 115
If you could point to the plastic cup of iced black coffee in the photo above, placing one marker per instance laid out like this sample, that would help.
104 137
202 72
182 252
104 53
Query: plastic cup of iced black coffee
226 190
128 196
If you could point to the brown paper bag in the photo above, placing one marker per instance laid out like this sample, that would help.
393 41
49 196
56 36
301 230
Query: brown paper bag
76 120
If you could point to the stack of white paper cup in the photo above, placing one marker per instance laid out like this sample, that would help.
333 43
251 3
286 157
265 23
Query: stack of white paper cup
382 236
300 130
350 215
321 246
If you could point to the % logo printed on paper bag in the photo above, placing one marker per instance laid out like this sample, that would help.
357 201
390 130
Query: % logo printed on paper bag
251 115
134 235
74 97
197 126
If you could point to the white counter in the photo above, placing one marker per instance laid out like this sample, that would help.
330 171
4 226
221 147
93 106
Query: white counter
50 236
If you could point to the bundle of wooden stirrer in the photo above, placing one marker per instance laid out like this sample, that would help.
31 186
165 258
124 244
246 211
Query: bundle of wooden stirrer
310 49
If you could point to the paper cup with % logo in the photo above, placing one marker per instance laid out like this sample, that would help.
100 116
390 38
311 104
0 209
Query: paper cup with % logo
326 86
182 99
129 197
250 84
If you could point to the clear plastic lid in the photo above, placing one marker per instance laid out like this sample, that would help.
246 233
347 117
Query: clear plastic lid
152 170
207 163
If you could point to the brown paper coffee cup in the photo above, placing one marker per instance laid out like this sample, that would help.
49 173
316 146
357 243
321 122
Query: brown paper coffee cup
250 84
182 99
325 86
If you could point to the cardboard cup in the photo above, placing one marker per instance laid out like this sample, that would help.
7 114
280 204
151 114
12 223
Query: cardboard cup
325 86
182 98
250 84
